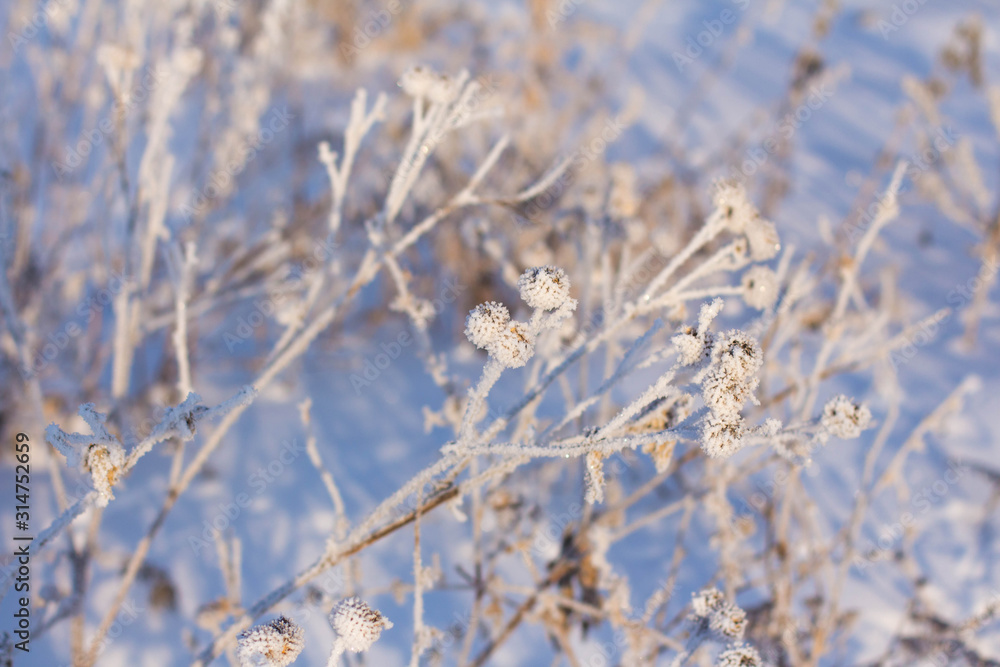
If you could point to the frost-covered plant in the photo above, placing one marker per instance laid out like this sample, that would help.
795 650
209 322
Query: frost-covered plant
844 418
740 656
357 625
274 644
232 227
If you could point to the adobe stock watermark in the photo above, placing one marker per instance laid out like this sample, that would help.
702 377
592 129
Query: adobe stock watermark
704 39
75 155
920 504
373 367
222 178
256 483
917 164
265 307
86 310
901 14
371 28
960 295
562 11
35 24
756 156
578 160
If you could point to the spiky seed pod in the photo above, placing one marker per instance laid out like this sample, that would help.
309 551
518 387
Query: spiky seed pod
486 323
544 287
740 656
278 643
732 376
728 621
705 601
514 347
358 626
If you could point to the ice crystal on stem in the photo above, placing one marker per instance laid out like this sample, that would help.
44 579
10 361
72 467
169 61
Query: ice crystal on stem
100 454
274 644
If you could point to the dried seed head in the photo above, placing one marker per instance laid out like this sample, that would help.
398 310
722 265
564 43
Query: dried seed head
691 348
514 347
729 621
486 323
104 462
418 81
760 287
732 376
844 418
358 626
740 216
705 601
721 439
764 240
733 206
544 287
275 644
740 656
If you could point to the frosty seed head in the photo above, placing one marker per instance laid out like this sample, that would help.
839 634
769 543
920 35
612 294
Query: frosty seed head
728 621
844 418
485 323
690 347
104 462
418 81
740 656
732 376
544 287
733 206
760 287
514 346
705 601
358 626
721 438
275 644
740 216
424 83
764 240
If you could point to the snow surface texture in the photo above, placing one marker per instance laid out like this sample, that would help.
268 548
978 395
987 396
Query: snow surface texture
638 333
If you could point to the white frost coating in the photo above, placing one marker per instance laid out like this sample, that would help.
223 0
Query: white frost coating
275 644
486 323
843 418
740 656
760 287
358 626
740 216
544 287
